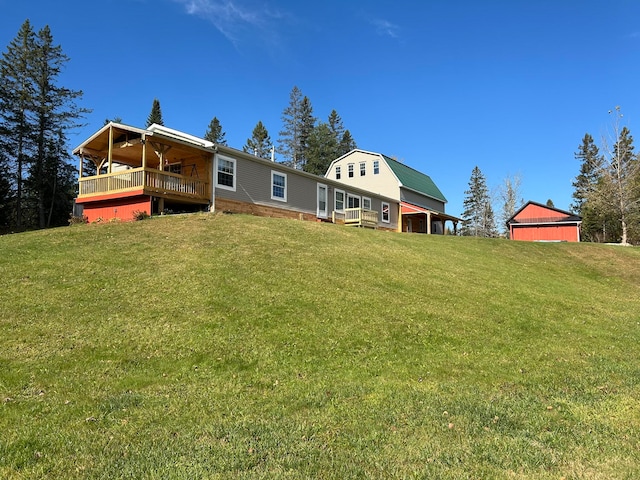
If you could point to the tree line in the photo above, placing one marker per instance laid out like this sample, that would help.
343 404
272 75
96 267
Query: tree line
607 188
478 217
304 142
606 191
37 180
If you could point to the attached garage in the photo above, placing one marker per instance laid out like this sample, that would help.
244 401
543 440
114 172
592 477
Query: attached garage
536 222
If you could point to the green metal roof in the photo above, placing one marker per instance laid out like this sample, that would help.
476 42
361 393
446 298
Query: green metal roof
414 180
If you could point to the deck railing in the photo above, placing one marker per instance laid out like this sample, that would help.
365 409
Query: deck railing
139 178
174 183
360 217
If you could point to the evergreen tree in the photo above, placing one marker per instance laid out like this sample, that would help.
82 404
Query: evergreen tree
55 112
477 218
550 203
35 116
347 143
298 123
511 201
586 184
214 133
260 142
587 179
617 191
623 171
114 120
155 116
336 127
488 220
344 141
5 194
17 91
321 150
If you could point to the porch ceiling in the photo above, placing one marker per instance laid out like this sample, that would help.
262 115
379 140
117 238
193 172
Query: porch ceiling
127 146
410 209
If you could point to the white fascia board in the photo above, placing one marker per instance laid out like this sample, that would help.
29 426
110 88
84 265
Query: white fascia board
178 135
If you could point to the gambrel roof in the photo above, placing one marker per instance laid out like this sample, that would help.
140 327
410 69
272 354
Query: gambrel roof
414 180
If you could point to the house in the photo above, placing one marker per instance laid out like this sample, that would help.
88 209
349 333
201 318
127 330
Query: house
540 223
124 169
422 204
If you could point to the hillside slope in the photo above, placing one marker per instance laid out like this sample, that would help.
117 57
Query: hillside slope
231 346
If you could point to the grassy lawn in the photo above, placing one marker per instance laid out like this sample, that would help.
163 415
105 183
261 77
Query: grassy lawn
229 346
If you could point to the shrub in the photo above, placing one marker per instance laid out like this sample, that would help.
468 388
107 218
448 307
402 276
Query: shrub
78 220
140 215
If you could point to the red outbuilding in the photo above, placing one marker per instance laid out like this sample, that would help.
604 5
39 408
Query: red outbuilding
536 222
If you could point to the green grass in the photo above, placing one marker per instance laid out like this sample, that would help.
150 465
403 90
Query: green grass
229 346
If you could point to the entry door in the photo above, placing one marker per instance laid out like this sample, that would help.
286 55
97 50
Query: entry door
322 201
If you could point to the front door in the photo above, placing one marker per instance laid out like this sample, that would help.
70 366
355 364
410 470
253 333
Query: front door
322 201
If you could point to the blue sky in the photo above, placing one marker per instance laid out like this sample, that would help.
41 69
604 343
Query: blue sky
510 86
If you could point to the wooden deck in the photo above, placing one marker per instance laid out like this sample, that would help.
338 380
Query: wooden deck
356 217
149 180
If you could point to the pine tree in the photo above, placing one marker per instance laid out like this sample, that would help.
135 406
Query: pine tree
488 220
335 125
214 133
322 148
347 143
344 141
260 142
5 194
155 116
36 114
16 123
477 218
587 179
586 183
511 201
297 123
55 112
617 188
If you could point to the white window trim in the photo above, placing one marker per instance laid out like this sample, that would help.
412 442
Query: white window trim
388 220
354 196
362 168
376 170
322 213
338 172
368 200
351 170
335 200
286 184
235 173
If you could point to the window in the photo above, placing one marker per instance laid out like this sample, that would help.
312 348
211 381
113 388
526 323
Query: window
363 169
385 212
322 201
339 203
278 186
353 201
366 203
350 168
376 167
175 168
226 173
338 172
